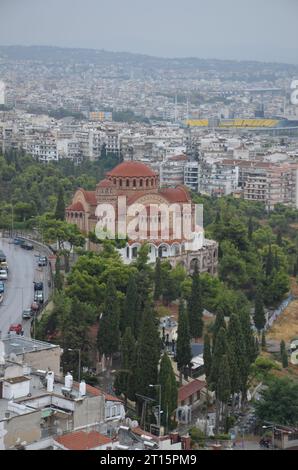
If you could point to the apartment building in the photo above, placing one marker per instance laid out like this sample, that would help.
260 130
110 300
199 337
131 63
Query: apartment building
272 184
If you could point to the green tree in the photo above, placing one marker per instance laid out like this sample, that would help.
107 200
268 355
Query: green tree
252 351
279 402
220 349
124 375
222 392
183 349
259 315
108 332
237 356
263 341
284 354
207 356
147 356
58 278
169 389
130 310
194 306
269 262
250 229
157 280
218 324
60 206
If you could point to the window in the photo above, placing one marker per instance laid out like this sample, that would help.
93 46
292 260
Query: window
147 183
127 183
152 182
114 181
120 182
134 183
141 183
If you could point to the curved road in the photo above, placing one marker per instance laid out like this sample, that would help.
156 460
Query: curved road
18 295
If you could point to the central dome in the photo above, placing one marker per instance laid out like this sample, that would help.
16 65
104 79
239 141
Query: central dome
131 169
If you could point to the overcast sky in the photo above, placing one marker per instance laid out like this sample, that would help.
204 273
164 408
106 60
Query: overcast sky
226 29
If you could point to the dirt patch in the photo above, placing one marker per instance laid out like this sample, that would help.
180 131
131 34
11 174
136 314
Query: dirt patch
286 326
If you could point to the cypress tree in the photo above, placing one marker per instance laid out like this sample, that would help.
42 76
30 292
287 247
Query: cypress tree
183 349
169 389
250 229
127 349
284 359
130 307
219 350
276 261
284 354
248 336
259 315
279 238
58 278
218 324
269 262
282 347
194 306
108 334
263 341
222 390
147 355
60 205
207 356
157 280
237 356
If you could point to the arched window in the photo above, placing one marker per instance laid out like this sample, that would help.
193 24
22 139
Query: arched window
141 183
120 182
127 183
152 182
134 183
114 181
147 183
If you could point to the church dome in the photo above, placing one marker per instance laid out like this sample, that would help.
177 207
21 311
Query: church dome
131 169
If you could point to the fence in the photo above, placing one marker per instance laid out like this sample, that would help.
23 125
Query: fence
276 313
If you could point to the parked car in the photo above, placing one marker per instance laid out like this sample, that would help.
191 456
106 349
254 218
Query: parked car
2 287
38 296
3 274
27 313
18 241
16 327
4 265
42 261
27 246
2 257
38 286
1 298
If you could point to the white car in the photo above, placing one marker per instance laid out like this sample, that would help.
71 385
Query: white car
3 274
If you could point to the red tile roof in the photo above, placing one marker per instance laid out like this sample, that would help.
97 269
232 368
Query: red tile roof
90 196
179 194
131 169
189 389
83 440
105 183
77 206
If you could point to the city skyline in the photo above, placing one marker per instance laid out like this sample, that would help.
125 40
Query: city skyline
233 31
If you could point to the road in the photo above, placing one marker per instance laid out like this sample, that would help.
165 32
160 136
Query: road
23 271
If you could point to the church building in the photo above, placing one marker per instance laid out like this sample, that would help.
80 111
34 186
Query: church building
137 183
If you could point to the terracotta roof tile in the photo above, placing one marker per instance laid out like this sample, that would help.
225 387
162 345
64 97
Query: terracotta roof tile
189 389
83 440
77 206
131 169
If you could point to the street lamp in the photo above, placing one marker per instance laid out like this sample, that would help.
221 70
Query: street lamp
77 349
271 426
159 403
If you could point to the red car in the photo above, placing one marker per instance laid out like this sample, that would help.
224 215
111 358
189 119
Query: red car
16 327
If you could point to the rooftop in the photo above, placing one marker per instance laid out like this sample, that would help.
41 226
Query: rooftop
15 344
131 169
83 440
